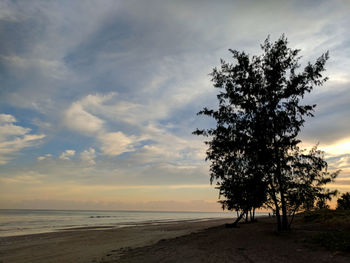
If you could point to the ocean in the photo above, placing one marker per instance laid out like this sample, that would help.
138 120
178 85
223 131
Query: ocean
24 222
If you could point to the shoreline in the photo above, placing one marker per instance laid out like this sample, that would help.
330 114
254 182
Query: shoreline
112 226
91 245
24 222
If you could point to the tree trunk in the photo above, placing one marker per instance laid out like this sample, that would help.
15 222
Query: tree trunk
284 213
278 218
234 224
291 221
284 225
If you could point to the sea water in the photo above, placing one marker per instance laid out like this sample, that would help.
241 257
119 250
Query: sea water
23 222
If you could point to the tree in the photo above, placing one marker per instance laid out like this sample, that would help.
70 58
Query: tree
237 192
259 115
344 201
306 180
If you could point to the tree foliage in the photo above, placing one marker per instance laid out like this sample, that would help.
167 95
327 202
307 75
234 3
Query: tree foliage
343 201
253 150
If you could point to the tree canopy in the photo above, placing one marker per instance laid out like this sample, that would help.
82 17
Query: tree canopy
343 201
254 149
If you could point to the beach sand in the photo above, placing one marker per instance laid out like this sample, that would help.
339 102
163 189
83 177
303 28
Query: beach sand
257 242
92 245
205 241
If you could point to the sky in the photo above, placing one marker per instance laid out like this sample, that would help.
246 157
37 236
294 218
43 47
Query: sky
98 99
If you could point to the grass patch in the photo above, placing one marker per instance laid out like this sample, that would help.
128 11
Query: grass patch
332 228
333 240
331 219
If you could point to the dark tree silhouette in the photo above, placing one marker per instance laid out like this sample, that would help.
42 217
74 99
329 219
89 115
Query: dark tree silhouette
343 201
237 192
258 119
305 181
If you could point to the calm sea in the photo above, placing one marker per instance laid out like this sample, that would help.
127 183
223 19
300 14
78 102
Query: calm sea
23 222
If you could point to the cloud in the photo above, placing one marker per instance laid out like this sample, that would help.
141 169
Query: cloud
88 156
115 143
143 120
78 119
38 36
166 147
51 68
44 157
67 154
14 138
7 118
330 123
10 130
121 82
338 148
25 178
341 161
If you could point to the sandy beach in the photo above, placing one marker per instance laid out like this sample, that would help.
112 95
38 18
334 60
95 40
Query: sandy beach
92 245
204 241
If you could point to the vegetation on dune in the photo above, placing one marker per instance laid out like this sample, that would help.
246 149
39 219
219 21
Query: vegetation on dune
334 228
333 240
254 148
332 219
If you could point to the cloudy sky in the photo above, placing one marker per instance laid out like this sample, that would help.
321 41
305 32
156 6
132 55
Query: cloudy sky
98 99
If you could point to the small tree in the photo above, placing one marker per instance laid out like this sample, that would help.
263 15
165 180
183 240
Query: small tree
306 180
258 119
343 201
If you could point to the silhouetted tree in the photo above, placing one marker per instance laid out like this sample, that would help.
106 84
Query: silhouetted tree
343 201
237 192
258 119
305 181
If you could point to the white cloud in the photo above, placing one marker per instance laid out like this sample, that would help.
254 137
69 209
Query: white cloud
337 148
165 146
115 143
5 118
67 154
169 147
81 117
88 156
44 157
341 162
13 138
10 130
78 119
